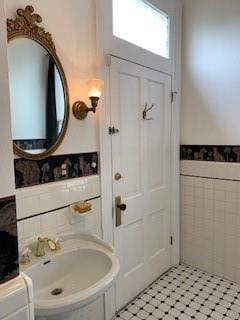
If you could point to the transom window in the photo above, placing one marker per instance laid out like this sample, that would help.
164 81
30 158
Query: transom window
139 23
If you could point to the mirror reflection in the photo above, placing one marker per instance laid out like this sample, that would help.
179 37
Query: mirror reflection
37 96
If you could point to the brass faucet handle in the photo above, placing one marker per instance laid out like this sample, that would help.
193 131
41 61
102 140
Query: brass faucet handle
25 258
40 252
52 244
57 242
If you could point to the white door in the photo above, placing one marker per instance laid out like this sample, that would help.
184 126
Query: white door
141 154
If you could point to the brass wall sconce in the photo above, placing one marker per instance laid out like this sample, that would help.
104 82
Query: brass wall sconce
80 109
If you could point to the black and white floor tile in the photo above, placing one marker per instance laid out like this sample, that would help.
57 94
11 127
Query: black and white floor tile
185 293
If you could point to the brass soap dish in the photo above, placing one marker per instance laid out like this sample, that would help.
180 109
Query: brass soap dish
81 208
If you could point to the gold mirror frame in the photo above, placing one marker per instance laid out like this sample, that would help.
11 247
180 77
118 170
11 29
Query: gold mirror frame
26 26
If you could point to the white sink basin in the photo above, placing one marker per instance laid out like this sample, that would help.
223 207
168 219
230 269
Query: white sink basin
78 274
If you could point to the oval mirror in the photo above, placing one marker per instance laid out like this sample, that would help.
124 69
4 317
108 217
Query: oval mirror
38 89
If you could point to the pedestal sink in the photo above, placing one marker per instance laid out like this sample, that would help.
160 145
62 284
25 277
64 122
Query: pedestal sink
71 278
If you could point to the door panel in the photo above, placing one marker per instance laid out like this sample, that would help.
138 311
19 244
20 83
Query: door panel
130 140
155 138
155 243
140 152
157 146
132 239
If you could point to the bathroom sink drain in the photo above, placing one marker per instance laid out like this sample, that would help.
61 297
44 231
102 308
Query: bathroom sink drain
57 291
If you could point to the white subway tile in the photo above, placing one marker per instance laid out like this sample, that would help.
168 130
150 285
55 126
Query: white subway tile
219 184
188 190
219 211
189 181
219 195
30 206
31 227
218 248
208 184
199 192
199 182
210 236
230 272
63 217
54 200
198 202
230 257
208 204
231 196
219 227
231 207
208 193
20 231
218 269
230 224
48 224
19 208
78 193
231 186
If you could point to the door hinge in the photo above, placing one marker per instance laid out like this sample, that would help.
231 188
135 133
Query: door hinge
173 93
171 240
108 60
112 130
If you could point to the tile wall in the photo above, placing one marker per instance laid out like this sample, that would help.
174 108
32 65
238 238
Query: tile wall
210 217
45 210
59 222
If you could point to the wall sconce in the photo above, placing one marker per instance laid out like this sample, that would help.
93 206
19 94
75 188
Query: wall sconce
80 109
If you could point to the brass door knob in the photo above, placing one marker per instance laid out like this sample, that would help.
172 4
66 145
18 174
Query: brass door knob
122 206
118 176
119 206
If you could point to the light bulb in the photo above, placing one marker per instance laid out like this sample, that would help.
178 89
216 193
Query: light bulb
95 87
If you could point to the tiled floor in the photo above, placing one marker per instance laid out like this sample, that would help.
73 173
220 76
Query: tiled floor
185 293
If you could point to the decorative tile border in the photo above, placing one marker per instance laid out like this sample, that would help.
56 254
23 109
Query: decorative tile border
217 153
55 168
8 240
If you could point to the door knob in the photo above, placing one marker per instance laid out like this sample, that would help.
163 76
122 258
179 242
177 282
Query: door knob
122 206
119 206
118 176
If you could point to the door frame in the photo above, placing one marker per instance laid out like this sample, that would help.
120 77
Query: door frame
103 61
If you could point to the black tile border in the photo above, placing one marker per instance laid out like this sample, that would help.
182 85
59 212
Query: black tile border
214 153
55 168
207 177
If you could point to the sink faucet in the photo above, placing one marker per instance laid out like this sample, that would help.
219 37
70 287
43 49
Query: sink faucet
40 248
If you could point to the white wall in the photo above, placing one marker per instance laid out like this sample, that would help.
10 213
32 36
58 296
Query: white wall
6 152
72 25
211 72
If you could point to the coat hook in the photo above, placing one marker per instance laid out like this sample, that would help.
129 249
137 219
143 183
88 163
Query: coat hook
146 110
